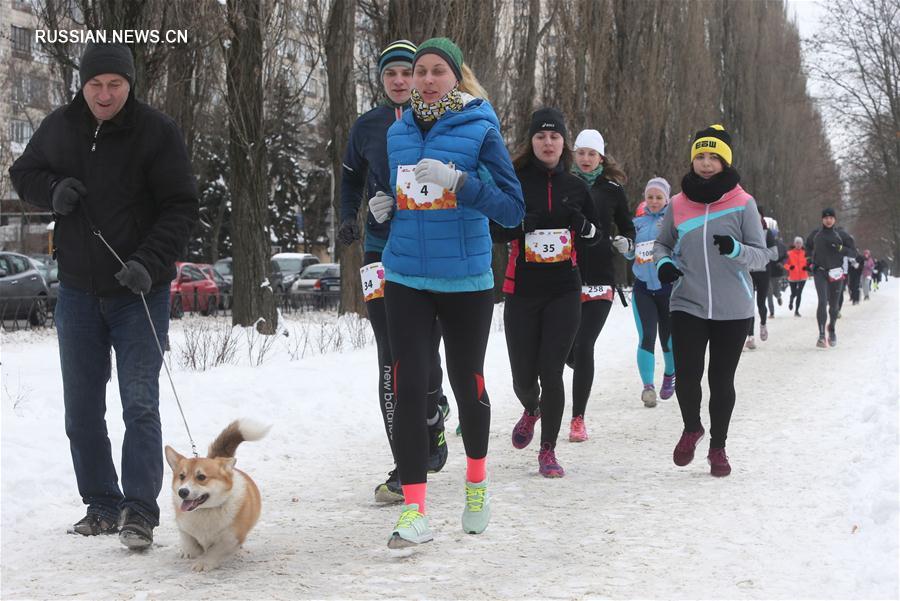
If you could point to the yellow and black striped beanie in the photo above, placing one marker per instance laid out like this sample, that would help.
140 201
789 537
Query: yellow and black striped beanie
396 53
713 139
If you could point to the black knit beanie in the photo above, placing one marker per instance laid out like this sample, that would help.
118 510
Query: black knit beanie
547 119
106 58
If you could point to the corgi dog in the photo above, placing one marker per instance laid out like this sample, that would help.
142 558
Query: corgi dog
216 505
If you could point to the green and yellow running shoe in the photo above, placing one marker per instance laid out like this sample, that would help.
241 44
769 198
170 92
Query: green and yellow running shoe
477 512
412 529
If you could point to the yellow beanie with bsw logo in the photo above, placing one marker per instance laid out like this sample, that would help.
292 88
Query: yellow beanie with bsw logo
713 139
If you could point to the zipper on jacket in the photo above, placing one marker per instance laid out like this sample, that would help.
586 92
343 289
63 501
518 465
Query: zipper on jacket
549 193
94 142
706 260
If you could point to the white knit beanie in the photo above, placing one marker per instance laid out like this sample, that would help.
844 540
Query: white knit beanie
590 138
660 184
798 239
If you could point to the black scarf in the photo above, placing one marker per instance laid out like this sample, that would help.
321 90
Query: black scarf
709 190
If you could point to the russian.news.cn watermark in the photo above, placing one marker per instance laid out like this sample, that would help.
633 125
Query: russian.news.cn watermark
114 36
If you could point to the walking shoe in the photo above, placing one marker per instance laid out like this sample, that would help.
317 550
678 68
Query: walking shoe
648 395
771 315
477 512
577 431
444 406
411 529
821 341
135 531
548 466
668 387
684 450
718 462
832 339
763 333
778 298
750 344
459 429
523 431
437 445
797 313
389 491
791 305
92 525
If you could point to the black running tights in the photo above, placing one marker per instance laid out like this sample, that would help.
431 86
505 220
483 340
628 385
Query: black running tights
829 296
593 316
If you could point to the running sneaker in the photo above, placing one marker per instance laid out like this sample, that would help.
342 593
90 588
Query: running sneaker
648 395
821 341
750 344
444 406
718 462
763 333
523 431
459 429
437 445
791 305
412 529
477 512
668 387
577 430
684 450
832 339
389 491
548 466
797 313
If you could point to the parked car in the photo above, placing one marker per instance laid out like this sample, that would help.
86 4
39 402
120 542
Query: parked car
276 276
291 265
317 283
191 290
49 269
223 284
23 291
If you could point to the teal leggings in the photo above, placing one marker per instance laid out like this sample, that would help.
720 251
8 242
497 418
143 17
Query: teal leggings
651 313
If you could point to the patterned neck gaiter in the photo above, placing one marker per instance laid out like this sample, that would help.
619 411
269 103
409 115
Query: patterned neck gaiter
591 176
432 111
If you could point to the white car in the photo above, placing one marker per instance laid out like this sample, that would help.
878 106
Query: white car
292 265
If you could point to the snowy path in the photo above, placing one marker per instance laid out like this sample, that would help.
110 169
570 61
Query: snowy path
811 509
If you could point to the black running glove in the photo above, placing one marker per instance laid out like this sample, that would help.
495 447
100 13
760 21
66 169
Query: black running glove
724 243
668 273
66 195
348 233
135 277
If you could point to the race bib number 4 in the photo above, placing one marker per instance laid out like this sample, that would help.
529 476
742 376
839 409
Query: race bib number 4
372 281
643 252
415 196
548 246
592 293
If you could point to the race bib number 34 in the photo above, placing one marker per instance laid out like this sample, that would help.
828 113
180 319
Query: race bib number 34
415 196
372 281
548 246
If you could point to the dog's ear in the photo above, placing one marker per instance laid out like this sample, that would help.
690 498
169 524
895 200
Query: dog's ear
172 457
228 463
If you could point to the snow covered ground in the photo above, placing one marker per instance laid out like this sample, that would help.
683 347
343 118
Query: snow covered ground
810 511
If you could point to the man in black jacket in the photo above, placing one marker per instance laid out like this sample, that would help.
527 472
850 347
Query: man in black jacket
113 170
827 246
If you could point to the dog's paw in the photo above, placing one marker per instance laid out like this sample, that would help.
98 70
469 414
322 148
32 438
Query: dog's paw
204 565
185 554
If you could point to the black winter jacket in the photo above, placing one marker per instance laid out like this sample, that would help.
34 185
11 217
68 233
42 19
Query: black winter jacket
596 261
141 193
545 193
827 247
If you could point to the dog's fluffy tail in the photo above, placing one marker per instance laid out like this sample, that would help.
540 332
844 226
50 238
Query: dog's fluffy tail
237 432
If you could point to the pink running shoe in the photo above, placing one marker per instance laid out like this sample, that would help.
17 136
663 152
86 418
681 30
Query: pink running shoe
718 463
668 387
577 431
684 450
547 464
523 431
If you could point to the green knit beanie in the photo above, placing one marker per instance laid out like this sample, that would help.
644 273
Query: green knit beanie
444 48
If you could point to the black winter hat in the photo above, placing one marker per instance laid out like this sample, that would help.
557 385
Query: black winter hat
548 119
106 58
829 212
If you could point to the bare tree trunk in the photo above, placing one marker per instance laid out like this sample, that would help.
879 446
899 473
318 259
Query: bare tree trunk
254 303
339 39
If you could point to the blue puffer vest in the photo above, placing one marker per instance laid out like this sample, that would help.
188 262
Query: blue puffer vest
443 243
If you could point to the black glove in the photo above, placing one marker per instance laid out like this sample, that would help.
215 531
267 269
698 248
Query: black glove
577 221
530 223
791 267
837 247
135 277
725 244
348 233
668 273
66 194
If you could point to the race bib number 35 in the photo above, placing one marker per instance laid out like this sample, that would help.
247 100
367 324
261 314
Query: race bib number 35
643 252
372 281
415 196
548 246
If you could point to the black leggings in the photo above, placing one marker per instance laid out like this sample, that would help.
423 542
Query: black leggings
829 296
378 319
690 337
539 334
761 284
466 318
796 292
593 316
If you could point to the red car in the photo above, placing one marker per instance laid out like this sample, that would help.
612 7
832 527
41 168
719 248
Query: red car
192 290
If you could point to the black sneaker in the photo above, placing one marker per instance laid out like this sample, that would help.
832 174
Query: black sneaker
437 445
444 406
92 525
135 531
832 339
389 491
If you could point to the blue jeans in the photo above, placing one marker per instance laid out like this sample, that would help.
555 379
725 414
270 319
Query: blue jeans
88 327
